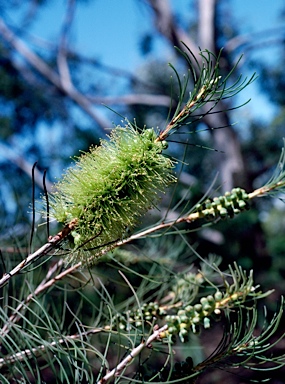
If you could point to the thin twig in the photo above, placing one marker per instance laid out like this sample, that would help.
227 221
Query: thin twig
266 189
186 111
45 249
131 99
62 50
15 316
37 351
55 240
134 353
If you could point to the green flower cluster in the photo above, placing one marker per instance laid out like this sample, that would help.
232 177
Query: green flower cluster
192 316
228 205
109 188
146 313
183 321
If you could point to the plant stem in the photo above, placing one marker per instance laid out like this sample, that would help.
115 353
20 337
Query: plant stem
55 240
135 352
45 249
37 351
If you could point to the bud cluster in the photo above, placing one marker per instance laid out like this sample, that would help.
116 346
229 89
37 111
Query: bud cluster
226 206
193 316
146 313
181 320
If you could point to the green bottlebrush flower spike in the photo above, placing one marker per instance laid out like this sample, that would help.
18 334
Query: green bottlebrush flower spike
109 188
114 184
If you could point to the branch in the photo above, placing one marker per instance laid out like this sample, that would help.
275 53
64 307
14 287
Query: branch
232 165
37 351
166 25
206 24
48 73
15 316
142 99
222 207
250 41
44 250
226 206
62 49
134 353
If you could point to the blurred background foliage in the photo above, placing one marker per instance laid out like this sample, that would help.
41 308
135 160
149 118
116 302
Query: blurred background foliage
50 113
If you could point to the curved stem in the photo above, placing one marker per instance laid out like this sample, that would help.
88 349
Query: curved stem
44 250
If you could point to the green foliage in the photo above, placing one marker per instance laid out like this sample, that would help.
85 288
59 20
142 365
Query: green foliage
126 318
209 88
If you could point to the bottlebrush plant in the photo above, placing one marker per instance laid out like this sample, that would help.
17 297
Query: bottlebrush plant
110 188
102 302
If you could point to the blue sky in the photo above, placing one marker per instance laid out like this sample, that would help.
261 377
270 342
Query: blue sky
110 30
257 15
